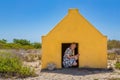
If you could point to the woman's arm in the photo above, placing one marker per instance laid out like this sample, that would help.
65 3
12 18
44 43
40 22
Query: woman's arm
70 57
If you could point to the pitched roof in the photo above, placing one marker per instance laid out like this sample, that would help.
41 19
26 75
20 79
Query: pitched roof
72 12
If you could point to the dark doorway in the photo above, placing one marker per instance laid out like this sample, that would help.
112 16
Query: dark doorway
64 47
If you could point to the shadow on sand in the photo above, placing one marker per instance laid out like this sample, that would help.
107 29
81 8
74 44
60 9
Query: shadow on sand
77 71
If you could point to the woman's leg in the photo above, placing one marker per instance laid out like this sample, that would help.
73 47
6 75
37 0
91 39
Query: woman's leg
76 57
75 63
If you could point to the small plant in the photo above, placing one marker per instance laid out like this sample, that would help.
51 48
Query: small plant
111 56
118 58
117 65
26 72
32 57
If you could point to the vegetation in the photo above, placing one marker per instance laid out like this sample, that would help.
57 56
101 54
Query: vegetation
114 79
26 44
11 65
26 72
32 57
19 44
117 65
113 44
112 56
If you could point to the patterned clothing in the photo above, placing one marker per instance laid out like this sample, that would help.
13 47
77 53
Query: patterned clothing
66 61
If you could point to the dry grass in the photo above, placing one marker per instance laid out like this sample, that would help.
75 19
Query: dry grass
112 56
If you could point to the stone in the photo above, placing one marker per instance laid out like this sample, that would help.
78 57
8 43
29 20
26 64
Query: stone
51 66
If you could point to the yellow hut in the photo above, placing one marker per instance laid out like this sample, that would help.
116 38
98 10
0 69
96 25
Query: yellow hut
91 44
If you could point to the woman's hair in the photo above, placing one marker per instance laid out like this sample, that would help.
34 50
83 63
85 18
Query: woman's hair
73 43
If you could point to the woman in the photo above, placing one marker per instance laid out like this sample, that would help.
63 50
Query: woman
69 59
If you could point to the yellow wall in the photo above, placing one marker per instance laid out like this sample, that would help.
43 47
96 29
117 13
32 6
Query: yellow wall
75 28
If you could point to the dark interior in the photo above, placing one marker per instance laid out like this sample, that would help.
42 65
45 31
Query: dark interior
64 47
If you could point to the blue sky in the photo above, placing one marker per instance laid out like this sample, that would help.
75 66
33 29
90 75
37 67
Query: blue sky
30 19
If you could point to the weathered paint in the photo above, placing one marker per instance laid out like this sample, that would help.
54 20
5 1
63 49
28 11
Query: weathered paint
75 28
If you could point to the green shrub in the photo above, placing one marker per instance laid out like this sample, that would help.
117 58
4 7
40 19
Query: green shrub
26 72
117 65
36 45
4 41
11 65
21 41
27 47
113 44
19 44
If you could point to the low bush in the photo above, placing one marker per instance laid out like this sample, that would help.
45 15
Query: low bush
26 72
117 65
11 65
19 44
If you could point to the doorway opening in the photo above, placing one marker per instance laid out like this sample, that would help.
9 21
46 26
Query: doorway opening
64 47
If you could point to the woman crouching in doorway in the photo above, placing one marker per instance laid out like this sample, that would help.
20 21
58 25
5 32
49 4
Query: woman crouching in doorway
69 59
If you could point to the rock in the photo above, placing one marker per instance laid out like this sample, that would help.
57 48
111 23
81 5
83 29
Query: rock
51 66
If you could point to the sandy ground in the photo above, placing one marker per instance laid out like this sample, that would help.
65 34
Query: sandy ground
76 74
73 73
